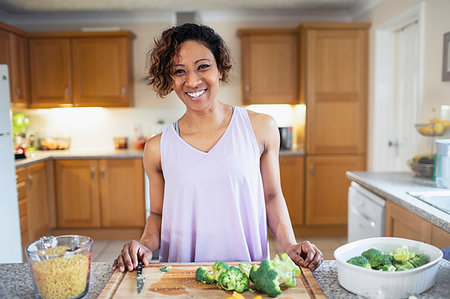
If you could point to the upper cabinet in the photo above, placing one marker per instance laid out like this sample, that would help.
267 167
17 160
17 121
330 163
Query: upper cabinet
81 69
269 66
13 52
333 84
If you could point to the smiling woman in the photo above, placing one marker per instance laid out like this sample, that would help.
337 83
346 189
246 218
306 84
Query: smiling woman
214 175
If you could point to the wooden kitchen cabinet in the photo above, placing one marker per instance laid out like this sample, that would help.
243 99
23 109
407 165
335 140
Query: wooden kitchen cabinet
269 66
81 69
94 193
50 71
21 177
327 187
5 47
333 85
37 201
404 224
292 184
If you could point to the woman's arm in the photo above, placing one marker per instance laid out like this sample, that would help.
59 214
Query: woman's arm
305 254
150 241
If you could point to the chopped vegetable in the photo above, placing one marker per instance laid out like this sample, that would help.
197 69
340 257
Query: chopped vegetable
360 261
233 279
236 296
286 270
219 268
204 275
165 269
402 254
245 268
265 278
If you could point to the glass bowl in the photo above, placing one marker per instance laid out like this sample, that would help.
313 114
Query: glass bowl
60 266
422 169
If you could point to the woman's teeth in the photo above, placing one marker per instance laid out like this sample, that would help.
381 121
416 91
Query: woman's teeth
196 94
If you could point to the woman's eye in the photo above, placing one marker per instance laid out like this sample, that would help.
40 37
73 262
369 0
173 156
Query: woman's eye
204 66
178 72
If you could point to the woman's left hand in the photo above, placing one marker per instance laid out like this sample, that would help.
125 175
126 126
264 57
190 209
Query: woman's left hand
305 254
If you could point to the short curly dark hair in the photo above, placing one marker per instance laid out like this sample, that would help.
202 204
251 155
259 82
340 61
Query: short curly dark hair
160 59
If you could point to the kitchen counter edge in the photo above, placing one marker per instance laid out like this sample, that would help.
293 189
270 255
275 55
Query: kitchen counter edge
394 186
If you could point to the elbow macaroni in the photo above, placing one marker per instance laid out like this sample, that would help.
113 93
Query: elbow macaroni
61 277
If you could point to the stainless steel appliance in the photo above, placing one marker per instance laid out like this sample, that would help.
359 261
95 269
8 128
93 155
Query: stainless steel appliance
285 138
366 214
10 246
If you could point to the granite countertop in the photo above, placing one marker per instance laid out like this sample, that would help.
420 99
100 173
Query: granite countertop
394 186
38 156
16 281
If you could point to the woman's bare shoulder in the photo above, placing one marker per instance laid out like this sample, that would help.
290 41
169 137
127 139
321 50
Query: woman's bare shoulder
261 121
152 148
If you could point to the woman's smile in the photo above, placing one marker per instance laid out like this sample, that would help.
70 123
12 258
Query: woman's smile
196 94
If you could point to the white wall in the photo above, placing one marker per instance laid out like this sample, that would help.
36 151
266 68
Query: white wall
437 22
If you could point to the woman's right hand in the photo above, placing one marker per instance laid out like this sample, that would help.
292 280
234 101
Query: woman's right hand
131 253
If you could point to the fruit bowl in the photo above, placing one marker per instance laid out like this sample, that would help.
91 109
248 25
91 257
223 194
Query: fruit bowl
421 169
435 129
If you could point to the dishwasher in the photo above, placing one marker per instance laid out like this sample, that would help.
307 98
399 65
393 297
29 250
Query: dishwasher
366 214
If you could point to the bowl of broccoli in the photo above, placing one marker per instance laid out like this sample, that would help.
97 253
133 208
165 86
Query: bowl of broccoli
387 267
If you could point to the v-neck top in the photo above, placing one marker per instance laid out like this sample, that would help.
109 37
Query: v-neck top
214 208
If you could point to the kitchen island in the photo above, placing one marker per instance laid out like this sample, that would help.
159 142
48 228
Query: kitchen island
16 281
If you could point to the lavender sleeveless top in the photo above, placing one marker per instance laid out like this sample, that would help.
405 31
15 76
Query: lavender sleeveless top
214 208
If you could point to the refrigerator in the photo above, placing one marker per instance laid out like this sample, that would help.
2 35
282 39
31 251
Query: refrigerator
10 241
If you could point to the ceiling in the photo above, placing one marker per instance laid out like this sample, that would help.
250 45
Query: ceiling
20 7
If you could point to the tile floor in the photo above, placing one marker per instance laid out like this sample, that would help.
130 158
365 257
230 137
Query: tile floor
108 250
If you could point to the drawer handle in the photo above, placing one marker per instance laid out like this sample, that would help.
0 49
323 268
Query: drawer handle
103 172
311 170
123 90
30 181
247 88
93 173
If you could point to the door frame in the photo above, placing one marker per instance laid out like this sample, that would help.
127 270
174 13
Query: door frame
384 72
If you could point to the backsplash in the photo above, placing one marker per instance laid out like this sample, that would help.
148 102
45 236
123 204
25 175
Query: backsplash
93 128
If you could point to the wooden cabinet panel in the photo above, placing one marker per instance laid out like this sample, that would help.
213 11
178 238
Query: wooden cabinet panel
4 47
19 70
292 184
21 178
270 66
50 69
404 224
122 193
77 195
37 197
327 186
100 72
334 84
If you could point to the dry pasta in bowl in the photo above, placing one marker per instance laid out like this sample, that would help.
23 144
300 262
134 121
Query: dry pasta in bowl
60 266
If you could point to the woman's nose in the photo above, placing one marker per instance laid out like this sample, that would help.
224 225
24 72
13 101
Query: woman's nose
193 79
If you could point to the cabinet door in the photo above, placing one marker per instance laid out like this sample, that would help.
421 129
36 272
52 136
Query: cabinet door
439 237
270 68
77 193
327 187
19 70
405 224
292 181
37 198
122 193
50 72
4 47
100 72
335 82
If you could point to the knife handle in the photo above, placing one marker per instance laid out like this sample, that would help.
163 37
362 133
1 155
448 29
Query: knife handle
139 268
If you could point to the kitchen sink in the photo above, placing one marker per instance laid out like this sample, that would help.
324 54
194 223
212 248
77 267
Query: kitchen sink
438 199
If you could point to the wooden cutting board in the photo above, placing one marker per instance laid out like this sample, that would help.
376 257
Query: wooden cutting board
179 282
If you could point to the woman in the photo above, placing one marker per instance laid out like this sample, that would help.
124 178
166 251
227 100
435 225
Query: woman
214 175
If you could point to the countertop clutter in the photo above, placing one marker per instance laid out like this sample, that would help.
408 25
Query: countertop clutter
394 186
16 281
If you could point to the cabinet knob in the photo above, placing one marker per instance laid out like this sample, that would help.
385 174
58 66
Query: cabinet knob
311 170
30 181
66 90
247 87
123 90
103 170
93 173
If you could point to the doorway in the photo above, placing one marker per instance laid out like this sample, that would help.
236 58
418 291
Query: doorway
397 98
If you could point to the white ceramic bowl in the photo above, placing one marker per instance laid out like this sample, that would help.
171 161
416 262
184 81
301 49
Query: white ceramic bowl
381 284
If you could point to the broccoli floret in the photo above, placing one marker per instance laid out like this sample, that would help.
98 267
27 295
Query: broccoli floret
360 261
403 266
245 268
219 268
265 279
375 257
286 270
419 260
204 275
234 279
388 268
402 254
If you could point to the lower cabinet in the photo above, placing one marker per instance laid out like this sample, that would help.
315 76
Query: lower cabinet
292 184
93 193
404 224
327 187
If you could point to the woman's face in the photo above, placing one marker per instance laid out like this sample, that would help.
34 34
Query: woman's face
196 76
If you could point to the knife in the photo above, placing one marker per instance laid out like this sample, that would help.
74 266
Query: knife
140 279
